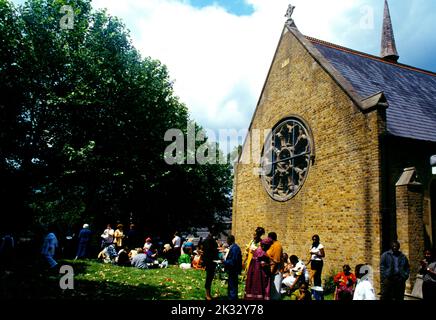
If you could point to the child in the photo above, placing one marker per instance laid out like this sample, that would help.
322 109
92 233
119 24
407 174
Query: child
304 293
197 262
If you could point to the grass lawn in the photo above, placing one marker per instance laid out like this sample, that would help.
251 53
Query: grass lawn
94 280
97 281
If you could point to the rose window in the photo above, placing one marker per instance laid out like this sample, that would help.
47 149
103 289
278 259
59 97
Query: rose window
286 159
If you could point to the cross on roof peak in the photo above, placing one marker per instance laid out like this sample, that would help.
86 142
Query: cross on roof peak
288 15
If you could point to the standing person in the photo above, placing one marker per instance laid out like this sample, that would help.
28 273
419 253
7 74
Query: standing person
107 237
364 289
429 280
426 261
177 243
132 237
275 253
317 255
83 238
258 283
210 254
233 266
345 282
251 247
7 251
119 236
395 270
49 247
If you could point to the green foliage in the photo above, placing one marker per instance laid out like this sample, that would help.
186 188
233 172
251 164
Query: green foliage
82 121
329 284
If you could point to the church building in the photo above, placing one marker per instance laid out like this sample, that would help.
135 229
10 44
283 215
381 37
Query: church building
349 155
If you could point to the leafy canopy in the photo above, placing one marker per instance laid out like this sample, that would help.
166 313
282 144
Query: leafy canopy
82 121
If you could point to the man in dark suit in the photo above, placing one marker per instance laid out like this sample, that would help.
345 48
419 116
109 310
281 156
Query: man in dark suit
233 266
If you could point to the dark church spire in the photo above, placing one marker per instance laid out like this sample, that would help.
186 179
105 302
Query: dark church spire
388 47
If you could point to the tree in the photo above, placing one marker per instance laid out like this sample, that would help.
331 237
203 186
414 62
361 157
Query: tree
83 117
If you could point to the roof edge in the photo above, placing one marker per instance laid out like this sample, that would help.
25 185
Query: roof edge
369 56
328 67
319 58
375 101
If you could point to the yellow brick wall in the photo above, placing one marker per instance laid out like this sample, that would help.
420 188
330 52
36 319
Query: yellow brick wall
340 197
410 227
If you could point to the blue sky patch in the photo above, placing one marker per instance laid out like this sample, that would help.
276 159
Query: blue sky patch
236 7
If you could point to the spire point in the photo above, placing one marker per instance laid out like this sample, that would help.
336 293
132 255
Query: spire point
388 47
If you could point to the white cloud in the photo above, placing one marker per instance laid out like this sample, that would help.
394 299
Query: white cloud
218 60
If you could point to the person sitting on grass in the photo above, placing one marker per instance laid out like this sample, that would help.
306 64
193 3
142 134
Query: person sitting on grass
185 260
123 257
133 253
152 257
297 276
286 266
148 244
189 245
140 260
167 252
304 293
108 254
197 262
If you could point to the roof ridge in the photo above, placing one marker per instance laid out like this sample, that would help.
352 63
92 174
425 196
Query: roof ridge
370 56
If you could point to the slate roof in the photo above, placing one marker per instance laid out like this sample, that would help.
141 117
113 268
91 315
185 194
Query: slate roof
410 92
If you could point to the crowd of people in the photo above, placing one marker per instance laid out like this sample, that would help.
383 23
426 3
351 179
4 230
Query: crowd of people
270 273
267 271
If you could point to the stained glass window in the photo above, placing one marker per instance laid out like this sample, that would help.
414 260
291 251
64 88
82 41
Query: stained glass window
286 159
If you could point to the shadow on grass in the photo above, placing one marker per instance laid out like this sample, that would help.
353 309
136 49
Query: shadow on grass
35 282
108 290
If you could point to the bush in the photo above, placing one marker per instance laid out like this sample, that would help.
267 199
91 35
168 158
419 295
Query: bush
329 284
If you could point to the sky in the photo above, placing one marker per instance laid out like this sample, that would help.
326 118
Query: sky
218 52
